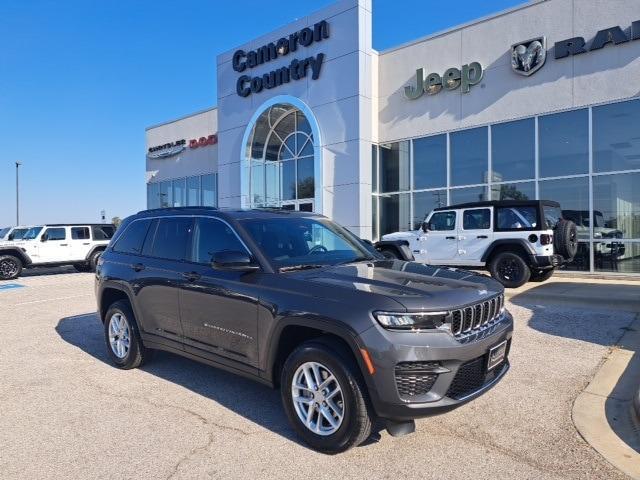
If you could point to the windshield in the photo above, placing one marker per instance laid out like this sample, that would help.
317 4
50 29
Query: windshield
4 231
18 233
295 241
32 233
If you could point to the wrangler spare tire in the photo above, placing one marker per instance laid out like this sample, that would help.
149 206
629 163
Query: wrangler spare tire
565 239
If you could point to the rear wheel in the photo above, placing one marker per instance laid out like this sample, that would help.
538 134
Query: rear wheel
542 275
122 338
82 267
325 398
510 269
93 260
10 267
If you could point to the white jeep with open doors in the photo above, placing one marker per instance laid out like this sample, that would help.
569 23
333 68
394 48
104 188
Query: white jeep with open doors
516 240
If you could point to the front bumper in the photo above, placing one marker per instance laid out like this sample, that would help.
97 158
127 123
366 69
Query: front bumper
460 365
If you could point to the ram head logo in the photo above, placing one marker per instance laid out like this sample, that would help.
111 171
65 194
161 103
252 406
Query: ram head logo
528 57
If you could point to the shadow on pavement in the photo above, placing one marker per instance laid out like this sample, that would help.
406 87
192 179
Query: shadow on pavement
255 402
593 297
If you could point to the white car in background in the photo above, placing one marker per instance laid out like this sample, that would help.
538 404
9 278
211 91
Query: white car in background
13 234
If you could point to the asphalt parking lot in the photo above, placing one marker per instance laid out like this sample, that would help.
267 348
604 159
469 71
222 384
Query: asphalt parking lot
66 412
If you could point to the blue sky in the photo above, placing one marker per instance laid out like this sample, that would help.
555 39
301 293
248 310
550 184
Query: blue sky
81 79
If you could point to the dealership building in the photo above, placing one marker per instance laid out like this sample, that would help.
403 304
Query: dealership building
539 101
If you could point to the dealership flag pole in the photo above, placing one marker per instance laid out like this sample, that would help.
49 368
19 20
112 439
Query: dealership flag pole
17 194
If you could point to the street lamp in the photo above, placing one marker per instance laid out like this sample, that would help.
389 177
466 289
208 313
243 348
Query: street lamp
18 193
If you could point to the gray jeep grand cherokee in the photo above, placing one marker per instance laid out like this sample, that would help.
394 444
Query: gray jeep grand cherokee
295 301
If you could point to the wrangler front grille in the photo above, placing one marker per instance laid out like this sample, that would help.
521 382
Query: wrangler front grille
475 317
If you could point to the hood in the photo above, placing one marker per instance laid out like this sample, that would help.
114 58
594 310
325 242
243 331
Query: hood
415 286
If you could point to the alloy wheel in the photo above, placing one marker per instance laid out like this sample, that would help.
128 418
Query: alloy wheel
119 335
317 398
509 269
8 268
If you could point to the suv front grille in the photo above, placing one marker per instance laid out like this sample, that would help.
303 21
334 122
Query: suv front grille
472 376
471 319
415 378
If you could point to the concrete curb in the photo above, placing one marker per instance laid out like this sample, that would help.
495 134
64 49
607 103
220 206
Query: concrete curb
604 412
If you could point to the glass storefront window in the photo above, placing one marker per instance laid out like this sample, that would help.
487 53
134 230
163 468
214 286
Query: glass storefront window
430 162
179 192
394 167
395 213
153 195
616 206
166 194
514 191
513 150
374 217
425 202
616 143
469 156
564 143
209 190
374 168
613 255
573 196
582 261
467 195
289 180
193 191
305 177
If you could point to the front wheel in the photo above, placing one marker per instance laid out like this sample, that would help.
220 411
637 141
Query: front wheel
325 398
510 269
10 267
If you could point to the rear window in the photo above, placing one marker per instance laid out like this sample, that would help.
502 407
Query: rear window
79 233
516 218
172 237
132 238
479 219
103 232
552 215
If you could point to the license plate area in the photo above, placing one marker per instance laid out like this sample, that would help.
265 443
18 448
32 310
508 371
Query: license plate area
496 355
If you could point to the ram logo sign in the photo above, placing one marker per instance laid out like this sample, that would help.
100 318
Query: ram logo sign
528 57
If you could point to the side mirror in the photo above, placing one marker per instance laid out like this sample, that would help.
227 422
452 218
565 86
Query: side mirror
43 238
234 261
425 227
11 237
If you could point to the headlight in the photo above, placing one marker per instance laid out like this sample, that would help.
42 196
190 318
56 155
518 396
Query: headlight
413 321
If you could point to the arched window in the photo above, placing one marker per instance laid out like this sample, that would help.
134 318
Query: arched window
281 159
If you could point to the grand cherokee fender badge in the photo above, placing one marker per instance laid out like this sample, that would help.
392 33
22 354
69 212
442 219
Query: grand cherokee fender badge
230 332
528 57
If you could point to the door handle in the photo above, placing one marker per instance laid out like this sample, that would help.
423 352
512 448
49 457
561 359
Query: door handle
482 236
86 243
64 244
137 267
450 238
191 276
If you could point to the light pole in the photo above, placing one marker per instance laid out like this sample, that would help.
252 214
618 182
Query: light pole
18 193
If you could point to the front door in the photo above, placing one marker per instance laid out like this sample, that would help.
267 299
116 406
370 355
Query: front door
219 309
53 246
441 239
475 235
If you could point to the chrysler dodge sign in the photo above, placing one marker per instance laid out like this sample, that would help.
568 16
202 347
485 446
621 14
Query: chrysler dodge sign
298 69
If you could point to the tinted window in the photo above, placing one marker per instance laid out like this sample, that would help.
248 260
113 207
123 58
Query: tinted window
442 221
133 237
479 219
55 234
32 233
430 162
564 143
469 156
516 218
513 150
571 194
552 215
79 233
172 237
394 167
395 213
213 236
209 191
615 137
18 233
103 232
616 200
424 203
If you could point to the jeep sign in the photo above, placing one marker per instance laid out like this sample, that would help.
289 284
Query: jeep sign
453 78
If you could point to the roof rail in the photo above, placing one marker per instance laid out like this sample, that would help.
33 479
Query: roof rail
167 209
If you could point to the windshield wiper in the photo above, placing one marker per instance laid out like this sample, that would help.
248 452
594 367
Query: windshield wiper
303 266
361 258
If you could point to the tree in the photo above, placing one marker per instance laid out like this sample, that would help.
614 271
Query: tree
116 221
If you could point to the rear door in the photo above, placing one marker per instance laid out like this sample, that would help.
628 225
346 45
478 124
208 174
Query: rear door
441 239
79 243
219 309
475 235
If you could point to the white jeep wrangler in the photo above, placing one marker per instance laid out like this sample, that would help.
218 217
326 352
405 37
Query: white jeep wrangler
516 240
79 245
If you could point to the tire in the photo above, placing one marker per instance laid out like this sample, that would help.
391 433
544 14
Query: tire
510 269
565 239
136 354
82 267
542 275
390 254
330 359
93 260
10 267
